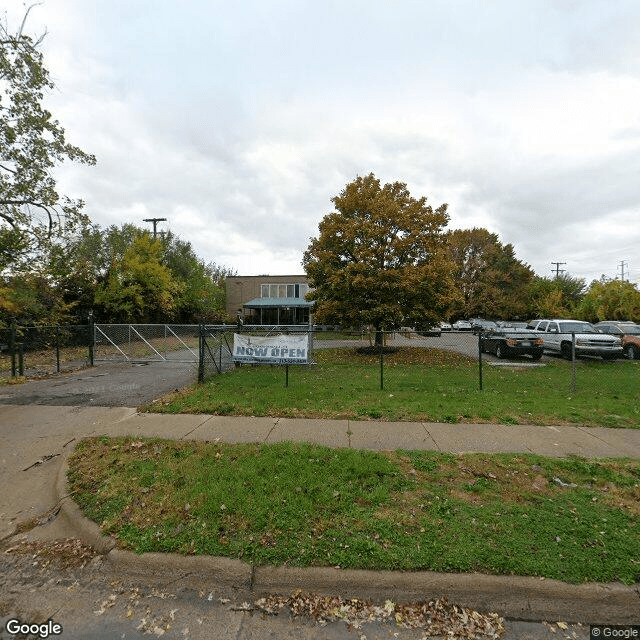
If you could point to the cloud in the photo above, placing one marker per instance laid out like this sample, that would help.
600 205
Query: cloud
239 122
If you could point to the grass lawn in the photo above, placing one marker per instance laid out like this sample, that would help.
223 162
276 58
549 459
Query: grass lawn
308 505
422 384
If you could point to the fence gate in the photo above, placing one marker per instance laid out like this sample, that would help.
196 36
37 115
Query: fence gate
216 350
146 342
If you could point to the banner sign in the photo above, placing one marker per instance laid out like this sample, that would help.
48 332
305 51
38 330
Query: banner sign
279 349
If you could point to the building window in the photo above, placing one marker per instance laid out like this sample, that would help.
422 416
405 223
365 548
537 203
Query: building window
297 290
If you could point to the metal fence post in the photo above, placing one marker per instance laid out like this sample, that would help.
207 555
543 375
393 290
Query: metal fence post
57 348
12 348
92 338
573 362
480 357
201 338
20 358
382 363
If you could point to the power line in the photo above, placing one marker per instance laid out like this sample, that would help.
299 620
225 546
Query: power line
558 269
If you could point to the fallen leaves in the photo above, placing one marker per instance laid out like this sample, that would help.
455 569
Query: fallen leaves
69 552
436 617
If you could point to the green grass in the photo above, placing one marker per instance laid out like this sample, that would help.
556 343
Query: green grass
422 384
308 505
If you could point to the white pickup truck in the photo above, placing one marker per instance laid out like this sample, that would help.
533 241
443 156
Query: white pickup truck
558 336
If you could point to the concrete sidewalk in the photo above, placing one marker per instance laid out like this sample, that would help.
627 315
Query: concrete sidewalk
36 440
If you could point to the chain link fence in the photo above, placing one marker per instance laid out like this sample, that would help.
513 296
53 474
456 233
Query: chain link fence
146 342
215 350
216 344
40 351
459 360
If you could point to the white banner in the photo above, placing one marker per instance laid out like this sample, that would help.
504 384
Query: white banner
279 349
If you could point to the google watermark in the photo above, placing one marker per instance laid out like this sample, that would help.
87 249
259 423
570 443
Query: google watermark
600 631
41 630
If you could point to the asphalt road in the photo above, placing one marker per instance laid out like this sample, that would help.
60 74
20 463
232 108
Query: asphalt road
108 384
93 603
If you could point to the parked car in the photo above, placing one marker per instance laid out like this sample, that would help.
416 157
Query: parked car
512 324
507 342
479 325
461 325
433 332
629 332
558 336
445 326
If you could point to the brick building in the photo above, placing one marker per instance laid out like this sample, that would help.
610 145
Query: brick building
269 299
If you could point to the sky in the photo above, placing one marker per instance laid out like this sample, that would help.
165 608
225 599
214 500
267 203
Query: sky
239 121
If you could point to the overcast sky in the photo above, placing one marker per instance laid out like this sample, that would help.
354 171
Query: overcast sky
239 121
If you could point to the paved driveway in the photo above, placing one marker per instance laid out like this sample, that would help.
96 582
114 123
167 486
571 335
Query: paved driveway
108 384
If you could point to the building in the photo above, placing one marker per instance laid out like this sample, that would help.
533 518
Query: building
269 299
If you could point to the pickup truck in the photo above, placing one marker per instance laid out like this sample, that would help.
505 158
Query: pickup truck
558 335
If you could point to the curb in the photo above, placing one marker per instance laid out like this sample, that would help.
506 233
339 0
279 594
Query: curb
513 597
86 530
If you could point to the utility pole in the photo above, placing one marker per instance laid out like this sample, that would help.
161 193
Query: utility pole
558 269
622 264
155 221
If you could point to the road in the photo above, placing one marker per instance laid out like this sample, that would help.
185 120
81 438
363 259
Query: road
93 603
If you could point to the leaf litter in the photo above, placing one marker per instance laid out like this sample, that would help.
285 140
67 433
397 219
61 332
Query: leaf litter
63 553
435 617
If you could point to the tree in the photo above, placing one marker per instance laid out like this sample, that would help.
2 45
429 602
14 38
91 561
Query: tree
556 297
45 283
139 288
114 272
32 142
32 299
202 293
492 282
380 258
610 300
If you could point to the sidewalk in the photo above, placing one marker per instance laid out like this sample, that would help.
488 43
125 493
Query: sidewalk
36 440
